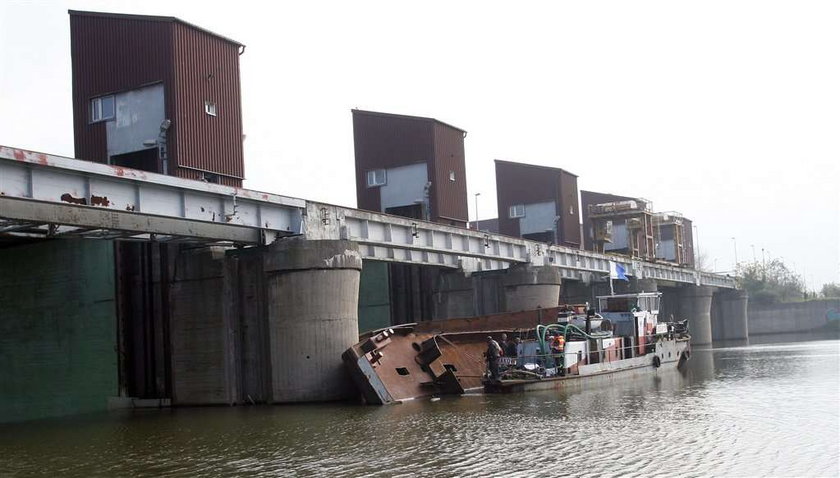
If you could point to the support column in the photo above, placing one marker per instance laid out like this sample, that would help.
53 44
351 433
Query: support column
645 285
202 331
455 296
312 290
575 292
530 287
696 306
732 320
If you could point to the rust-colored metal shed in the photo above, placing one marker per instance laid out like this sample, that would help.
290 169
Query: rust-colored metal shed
538 202
410 166
157 93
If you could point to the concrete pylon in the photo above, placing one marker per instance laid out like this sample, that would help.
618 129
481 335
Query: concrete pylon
201 329
645 285
731 319
528 287
312 290
575 292
696 306
455 296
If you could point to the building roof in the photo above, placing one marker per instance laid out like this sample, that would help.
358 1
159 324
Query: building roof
150 18
548 168
392 115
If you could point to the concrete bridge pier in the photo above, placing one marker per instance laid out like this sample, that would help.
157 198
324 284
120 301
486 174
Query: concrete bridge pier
696 305
203 322
577 292
644 285
529 287
312 293
455 295
729 317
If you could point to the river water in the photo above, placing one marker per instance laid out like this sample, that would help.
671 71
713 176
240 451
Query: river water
741 411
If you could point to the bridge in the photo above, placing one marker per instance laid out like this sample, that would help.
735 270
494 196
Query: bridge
199 293
44 195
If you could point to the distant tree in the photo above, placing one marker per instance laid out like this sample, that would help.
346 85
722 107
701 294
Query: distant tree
770 282
830 291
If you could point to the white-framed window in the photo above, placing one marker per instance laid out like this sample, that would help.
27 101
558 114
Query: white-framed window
452 175
210 108
517 210
102 108
376 177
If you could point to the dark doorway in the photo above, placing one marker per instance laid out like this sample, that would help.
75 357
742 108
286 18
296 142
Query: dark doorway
145 159
414 211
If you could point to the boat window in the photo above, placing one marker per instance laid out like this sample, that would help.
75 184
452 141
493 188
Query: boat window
450 367
402 371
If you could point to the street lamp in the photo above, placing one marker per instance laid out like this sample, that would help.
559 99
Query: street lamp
476 210
735 246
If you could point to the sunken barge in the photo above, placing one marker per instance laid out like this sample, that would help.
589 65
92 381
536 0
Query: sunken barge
565 346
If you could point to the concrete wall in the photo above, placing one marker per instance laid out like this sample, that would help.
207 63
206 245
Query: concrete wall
374 296
57 329
794 317
203 329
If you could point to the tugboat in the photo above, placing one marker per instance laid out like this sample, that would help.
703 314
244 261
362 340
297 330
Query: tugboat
553 347
623 336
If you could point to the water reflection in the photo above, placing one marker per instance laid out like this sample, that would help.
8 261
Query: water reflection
758 410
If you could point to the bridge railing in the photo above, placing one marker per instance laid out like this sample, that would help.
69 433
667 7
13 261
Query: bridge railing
50 195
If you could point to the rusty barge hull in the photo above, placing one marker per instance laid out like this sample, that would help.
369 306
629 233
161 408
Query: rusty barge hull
431 358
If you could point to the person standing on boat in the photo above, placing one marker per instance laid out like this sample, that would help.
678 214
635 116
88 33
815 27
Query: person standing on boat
492 355
511 348
558 348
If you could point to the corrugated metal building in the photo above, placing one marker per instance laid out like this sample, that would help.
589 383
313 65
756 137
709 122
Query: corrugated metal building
410 166
157 93
538 202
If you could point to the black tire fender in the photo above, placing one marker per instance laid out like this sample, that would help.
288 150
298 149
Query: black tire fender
656 361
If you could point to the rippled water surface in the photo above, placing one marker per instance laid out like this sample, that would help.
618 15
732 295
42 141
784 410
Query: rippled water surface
746 411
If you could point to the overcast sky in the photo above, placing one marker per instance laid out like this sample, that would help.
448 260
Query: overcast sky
726 111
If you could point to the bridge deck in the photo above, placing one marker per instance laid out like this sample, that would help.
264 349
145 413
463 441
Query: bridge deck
53 196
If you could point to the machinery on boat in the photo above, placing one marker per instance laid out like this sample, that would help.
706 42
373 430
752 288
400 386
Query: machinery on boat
547 348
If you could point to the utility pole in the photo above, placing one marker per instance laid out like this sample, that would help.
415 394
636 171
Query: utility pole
476 210
735 246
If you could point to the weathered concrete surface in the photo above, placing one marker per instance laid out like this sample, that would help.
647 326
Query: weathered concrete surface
794 317
529 287
729 316
374 296
57 329
312 301
644 285
575 292
695 304
454 296
202 329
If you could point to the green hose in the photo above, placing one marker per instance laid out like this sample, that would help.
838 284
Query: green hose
543 329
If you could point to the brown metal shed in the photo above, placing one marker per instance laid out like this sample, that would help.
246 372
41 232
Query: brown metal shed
523 185
410 151
119 54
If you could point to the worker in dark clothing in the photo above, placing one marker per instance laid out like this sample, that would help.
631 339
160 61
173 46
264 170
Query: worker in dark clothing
492 356
511 348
